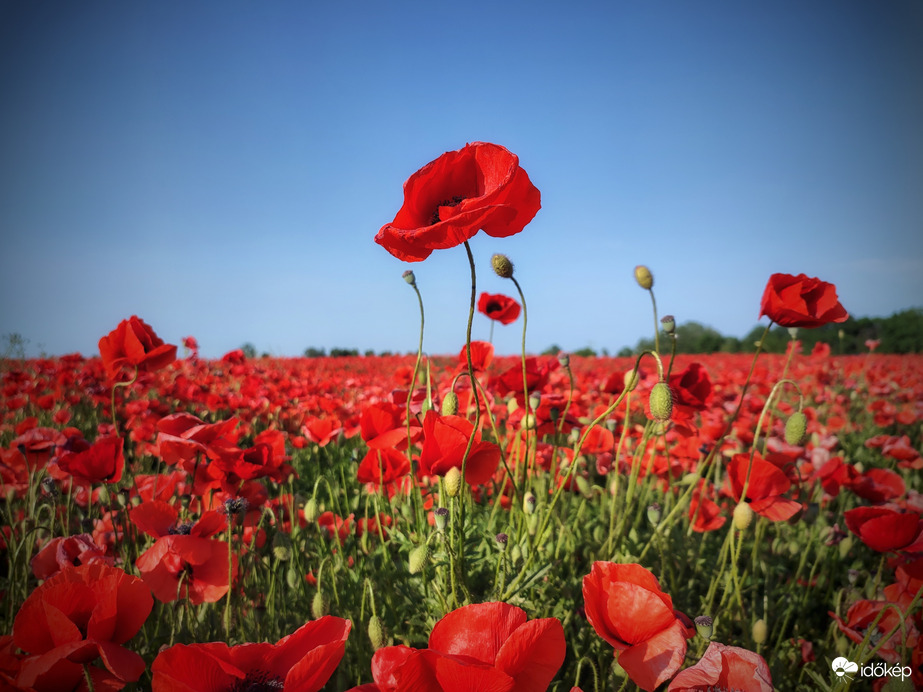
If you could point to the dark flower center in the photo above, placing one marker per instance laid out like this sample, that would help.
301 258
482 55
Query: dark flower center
454 202
258 682
180 529
493 307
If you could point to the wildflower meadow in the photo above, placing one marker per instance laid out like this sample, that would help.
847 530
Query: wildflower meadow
747 521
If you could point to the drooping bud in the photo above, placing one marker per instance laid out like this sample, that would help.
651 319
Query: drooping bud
450 404
409 277
795 428
452 482
759 632
502 266
319 606
631 380
743 515
311 511
644 277
661 402
417 559
704 626
376 633
669 324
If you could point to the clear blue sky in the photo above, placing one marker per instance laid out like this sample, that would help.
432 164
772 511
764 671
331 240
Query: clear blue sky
221 168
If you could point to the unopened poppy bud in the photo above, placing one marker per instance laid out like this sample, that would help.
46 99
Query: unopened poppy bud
409 277
653 513
743 515
528 422
564 360
417 559
661 402
631 380
512 405
583 485
795 428
311 511
502 266
453 481
450 404
502 540
441 515
759 632
319 606
644 277
668 323
528 503
704 626
535 400
376 633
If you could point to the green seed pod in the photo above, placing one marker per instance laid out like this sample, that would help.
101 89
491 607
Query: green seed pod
795 428
654 513
418 559
410 278
704 626
450 404
376 633
661 402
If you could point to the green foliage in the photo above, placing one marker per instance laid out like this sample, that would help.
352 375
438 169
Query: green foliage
249 350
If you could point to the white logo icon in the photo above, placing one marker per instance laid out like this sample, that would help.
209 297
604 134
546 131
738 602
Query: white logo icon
842 666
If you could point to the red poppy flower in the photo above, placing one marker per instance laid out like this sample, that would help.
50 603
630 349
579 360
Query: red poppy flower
134 343
626 607
77 616
103 462
382 425
482 355
883 529
801 301
499 307
691 390
478 187
767 486
725 668
72 551
383 466
862 614
445 439
303 661
321 431
484 646
193 567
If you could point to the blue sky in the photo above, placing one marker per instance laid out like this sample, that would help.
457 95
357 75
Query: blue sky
221 169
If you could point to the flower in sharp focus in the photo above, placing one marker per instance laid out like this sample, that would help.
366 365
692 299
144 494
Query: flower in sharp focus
134 343
302 661
499 307
801 301
478 187
626 607
445 439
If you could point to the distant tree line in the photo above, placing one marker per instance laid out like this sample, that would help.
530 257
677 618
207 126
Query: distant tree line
902 332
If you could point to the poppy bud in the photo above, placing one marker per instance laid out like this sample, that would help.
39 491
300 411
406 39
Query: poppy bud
631 380
450 404
310 511
319 606
376 634
669 324
512 405
535 400
644 277
661 402
564 360
502 539
417 559
653 513
528 503
795 428
453 481
743 515
502 266
410 278
704 626
759 632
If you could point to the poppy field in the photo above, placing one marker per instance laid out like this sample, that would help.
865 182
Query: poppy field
469 521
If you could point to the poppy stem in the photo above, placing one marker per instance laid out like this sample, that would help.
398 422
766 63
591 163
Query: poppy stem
115 422
416 496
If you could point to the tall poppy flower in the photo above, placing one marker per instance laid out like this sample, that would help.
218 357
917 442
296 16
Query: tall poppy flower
478 187
725 668
499 307
484 646
883 529
445 439
103 462
81 614
303 661
801 301
134 343
766 487
626 607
